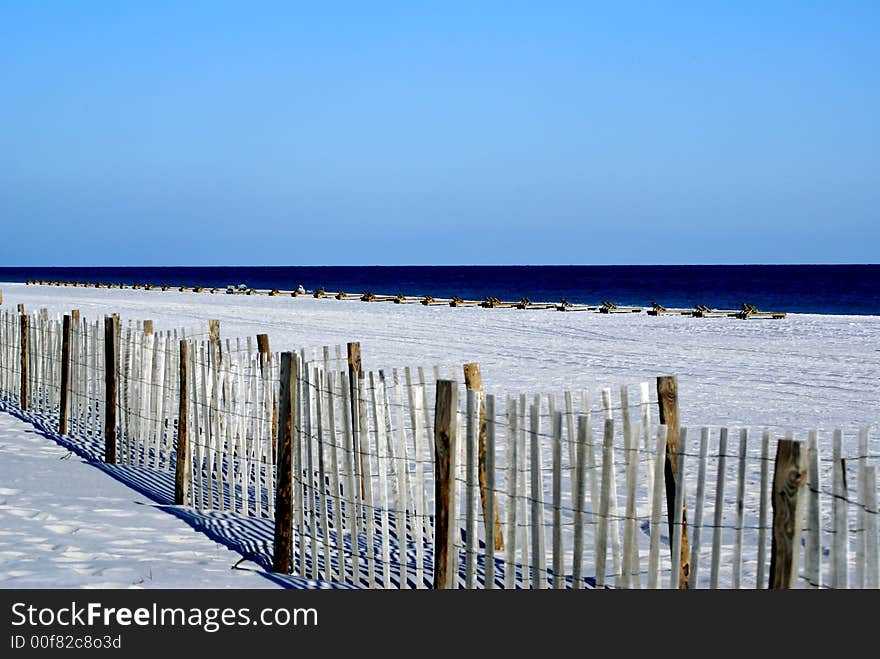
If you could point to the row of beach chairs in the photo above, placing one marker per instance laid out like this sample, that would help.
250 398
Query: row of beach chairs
747 311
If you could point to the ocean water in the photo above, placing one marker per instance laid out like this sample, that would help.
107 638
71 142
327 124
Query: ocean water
830 289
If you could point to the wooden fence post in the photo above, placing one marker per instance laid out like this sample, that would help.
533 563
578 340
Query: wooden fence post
355 375
445 425
284 484
667 399
473 381
182 467
148 327
74 316
214 333
20 308
265 358
789 476
65 375
23 402
111 353
263 349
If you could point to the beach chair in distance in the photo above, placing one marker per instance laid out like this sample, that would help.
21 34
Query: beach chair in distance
368 297
319 293
751 311
526 303
610 307
658 309
495 303
458 302
702 311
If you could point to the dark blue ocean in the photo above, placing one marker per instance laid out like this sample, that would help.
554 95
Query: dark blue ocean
831 289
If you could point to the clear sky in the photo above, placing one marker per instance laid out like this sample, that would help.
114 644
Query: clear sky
165 133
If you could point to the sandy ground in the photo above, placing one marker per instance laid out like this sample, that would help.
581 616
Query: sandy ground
65 524
804 372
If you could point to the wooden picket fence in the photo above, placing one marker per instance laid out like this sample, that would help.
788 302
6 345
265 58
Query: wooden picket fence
400 478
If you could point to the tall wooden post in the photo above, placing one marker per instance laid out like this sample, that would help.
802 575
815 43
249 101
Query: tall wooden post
20 308
667 399
74 316
111 353
263 350
473 381
214 332
23 401
265 357
148 327
445 425
355 375
284 483
65 375
182 468
789 476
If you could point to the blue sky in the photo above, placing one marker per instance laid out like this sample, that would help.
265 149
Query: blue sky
417 133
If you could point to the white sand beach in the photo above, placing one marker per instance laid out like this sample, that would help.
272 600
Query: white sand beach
806 372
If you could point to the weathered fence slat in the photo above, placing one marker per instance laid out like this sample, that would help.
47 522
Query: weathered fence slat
839 521
861 510
472 441
697 540
581 459
556 448
604 503
512 486
719 510
656 508
491 500
813 548
872 559
539 563
678 536
740 508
